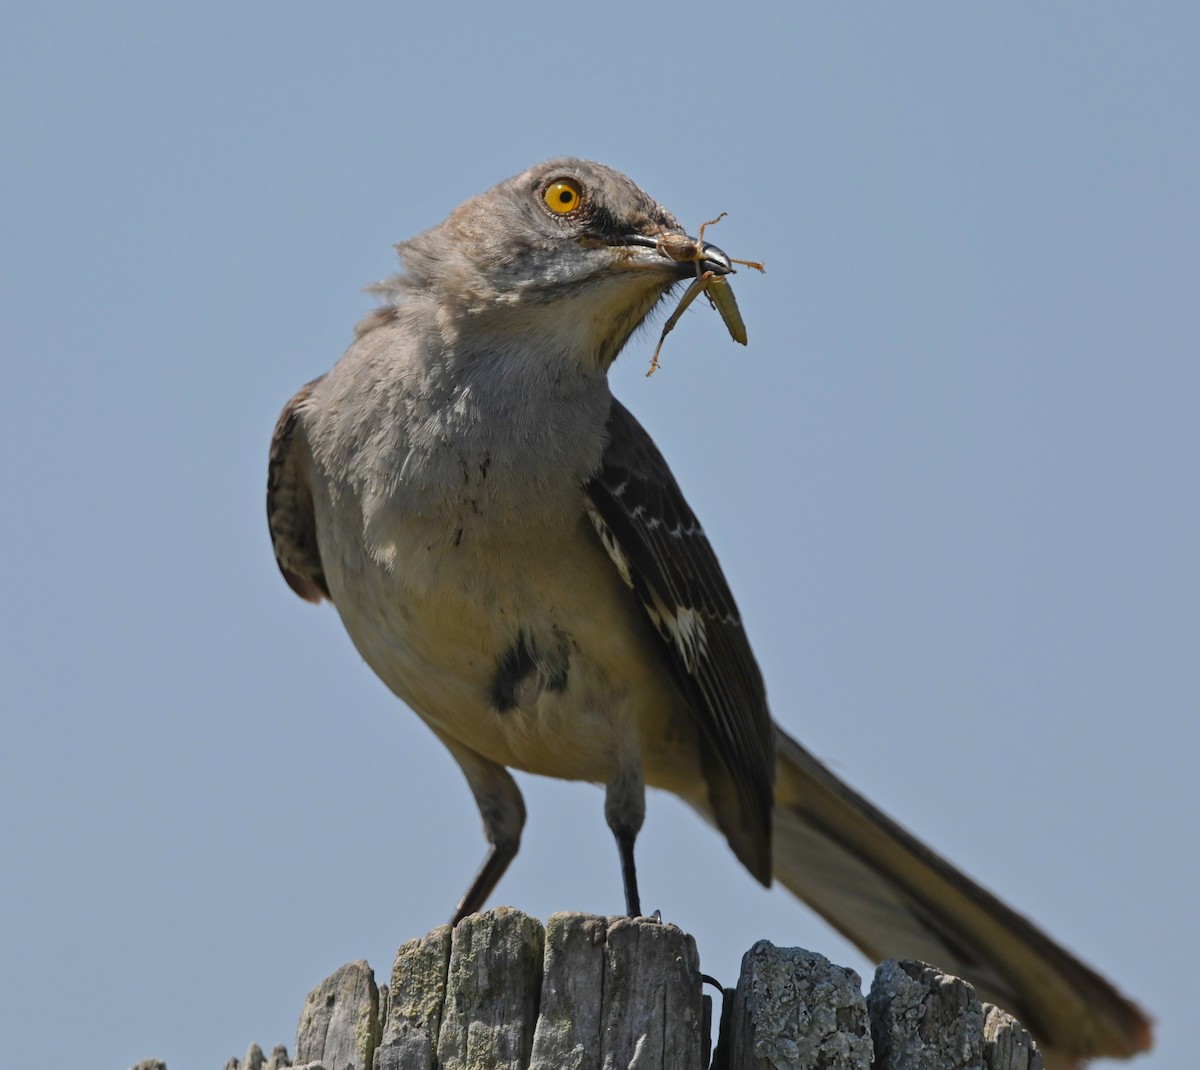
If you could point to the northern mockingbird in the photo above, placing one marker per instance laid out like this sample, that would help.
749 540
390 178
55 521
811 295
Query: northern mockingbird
509 551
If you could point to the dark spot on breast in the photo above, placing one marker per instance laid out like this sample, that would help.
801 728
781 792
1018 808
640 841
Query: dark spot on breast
511 670
546 666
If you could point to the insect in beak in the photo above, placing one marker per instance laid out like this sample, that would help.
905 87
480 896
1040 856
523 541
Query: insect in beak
681 248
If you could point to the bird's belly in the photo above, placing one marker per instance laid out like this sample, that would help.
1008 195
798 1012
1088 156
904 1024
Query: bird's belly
526 648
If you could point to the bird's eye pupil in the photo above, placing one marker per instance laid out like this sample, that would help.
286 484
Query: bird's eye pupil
563 195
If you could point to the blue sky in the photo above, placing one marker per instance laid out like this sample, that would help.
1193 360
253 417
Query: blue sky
952 479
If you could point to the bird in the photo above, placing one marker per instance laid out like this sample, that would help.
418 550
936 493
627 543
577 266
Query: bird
510 553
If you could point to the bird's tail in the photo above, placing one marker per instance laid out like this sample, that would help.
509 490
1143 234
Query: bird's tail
894 898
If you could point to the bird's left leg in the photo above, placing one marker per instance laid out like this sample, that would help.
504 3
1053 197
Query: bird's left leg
625 810
503 812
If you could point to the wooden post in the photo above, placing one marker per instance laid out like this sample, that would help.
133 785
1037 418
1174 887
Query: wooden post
339 1025
794 1008
499 992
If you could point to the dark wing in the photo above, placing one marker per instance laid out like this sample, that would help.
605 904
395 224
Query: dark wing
663 555
289 505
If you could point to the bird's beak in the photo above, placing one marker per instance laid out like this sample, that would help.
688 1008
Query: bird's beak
682 254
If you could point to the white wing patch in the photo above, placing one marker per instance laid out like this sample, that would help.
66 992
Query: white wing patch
610 544
653 523
681 626
687 630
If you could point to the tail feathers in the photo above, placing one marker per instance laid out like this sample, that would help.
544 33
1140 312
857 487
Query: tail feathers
894 898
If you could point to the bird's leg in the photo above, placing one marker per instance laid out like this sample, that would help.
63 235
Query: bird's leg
625 810
503 812
625 838
495 863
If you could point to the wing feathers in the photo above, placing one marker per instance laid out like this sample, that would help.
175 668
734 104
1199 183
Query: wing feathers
289 505
662 553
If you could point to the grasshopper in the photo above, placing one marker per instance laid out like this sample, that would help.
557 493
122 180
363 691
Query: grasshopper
715 287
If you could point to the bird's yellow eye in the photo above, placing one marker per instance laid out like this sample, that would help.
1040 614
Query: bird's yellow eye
563 195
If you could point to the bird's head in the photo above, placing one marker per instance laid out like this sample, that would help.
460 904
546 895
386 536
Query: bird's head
570 249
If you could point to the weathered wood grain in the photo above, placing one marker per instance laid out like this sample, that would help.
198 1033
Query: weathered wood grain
567 1036
795 1009
1006 1045
493 987
415 998
652 1007
923 1019
339 1026
499 992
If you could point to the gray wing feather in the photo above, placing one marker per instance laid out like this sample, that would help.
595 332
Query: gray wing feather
289 505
